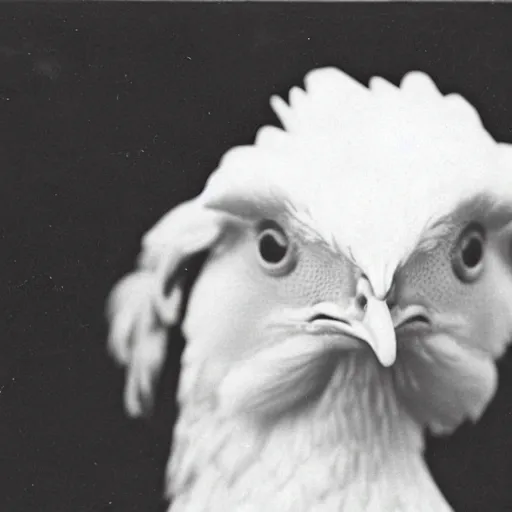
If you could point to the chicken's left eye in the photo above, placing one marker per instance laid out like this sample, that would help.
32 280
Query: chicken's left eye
276 252
468 257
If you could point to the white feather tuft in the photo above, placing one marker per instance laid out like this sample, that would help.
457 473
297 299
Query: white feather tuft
126 306
442 383
347 148
278 378
141 310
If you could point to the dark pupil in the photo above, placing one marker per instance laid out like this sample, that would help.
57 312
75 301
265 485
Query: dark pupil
271 250
472 252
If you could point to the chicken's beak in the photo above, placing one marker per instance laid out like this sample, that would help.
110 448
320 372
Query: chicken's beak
377 330
367 320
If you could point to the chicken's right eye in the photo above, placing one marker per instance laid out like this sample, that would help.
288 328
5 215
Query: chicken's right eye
468 257
276 252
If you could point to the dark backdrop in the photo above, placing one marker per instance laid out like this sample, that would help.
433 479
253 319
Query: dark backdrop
112 114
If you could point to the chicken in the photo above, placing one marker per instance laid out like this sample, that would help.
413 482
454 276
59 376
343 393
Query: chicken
357 291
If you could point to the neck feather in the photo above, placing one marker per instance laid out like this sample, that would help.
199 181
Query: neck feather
355 448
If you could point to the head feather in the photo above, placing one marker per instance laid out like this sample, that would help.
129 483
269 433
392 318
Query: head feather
352 159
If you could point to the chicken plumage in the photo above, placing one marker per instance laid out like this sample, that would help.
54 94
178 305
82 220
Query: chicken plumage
357 290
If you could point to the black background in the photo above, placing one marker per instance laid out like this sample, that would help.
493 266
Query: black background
110 114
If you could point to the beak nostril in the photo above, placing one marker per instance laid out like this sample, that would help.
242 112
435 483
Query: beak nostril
362 301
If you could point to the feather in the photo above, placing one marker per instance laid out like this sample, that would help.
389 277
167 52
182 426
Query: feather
278 379
147 302
442 383
127 303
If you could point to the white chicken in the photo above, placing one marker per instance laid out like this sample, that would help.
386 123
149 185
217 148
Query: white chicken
358 290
